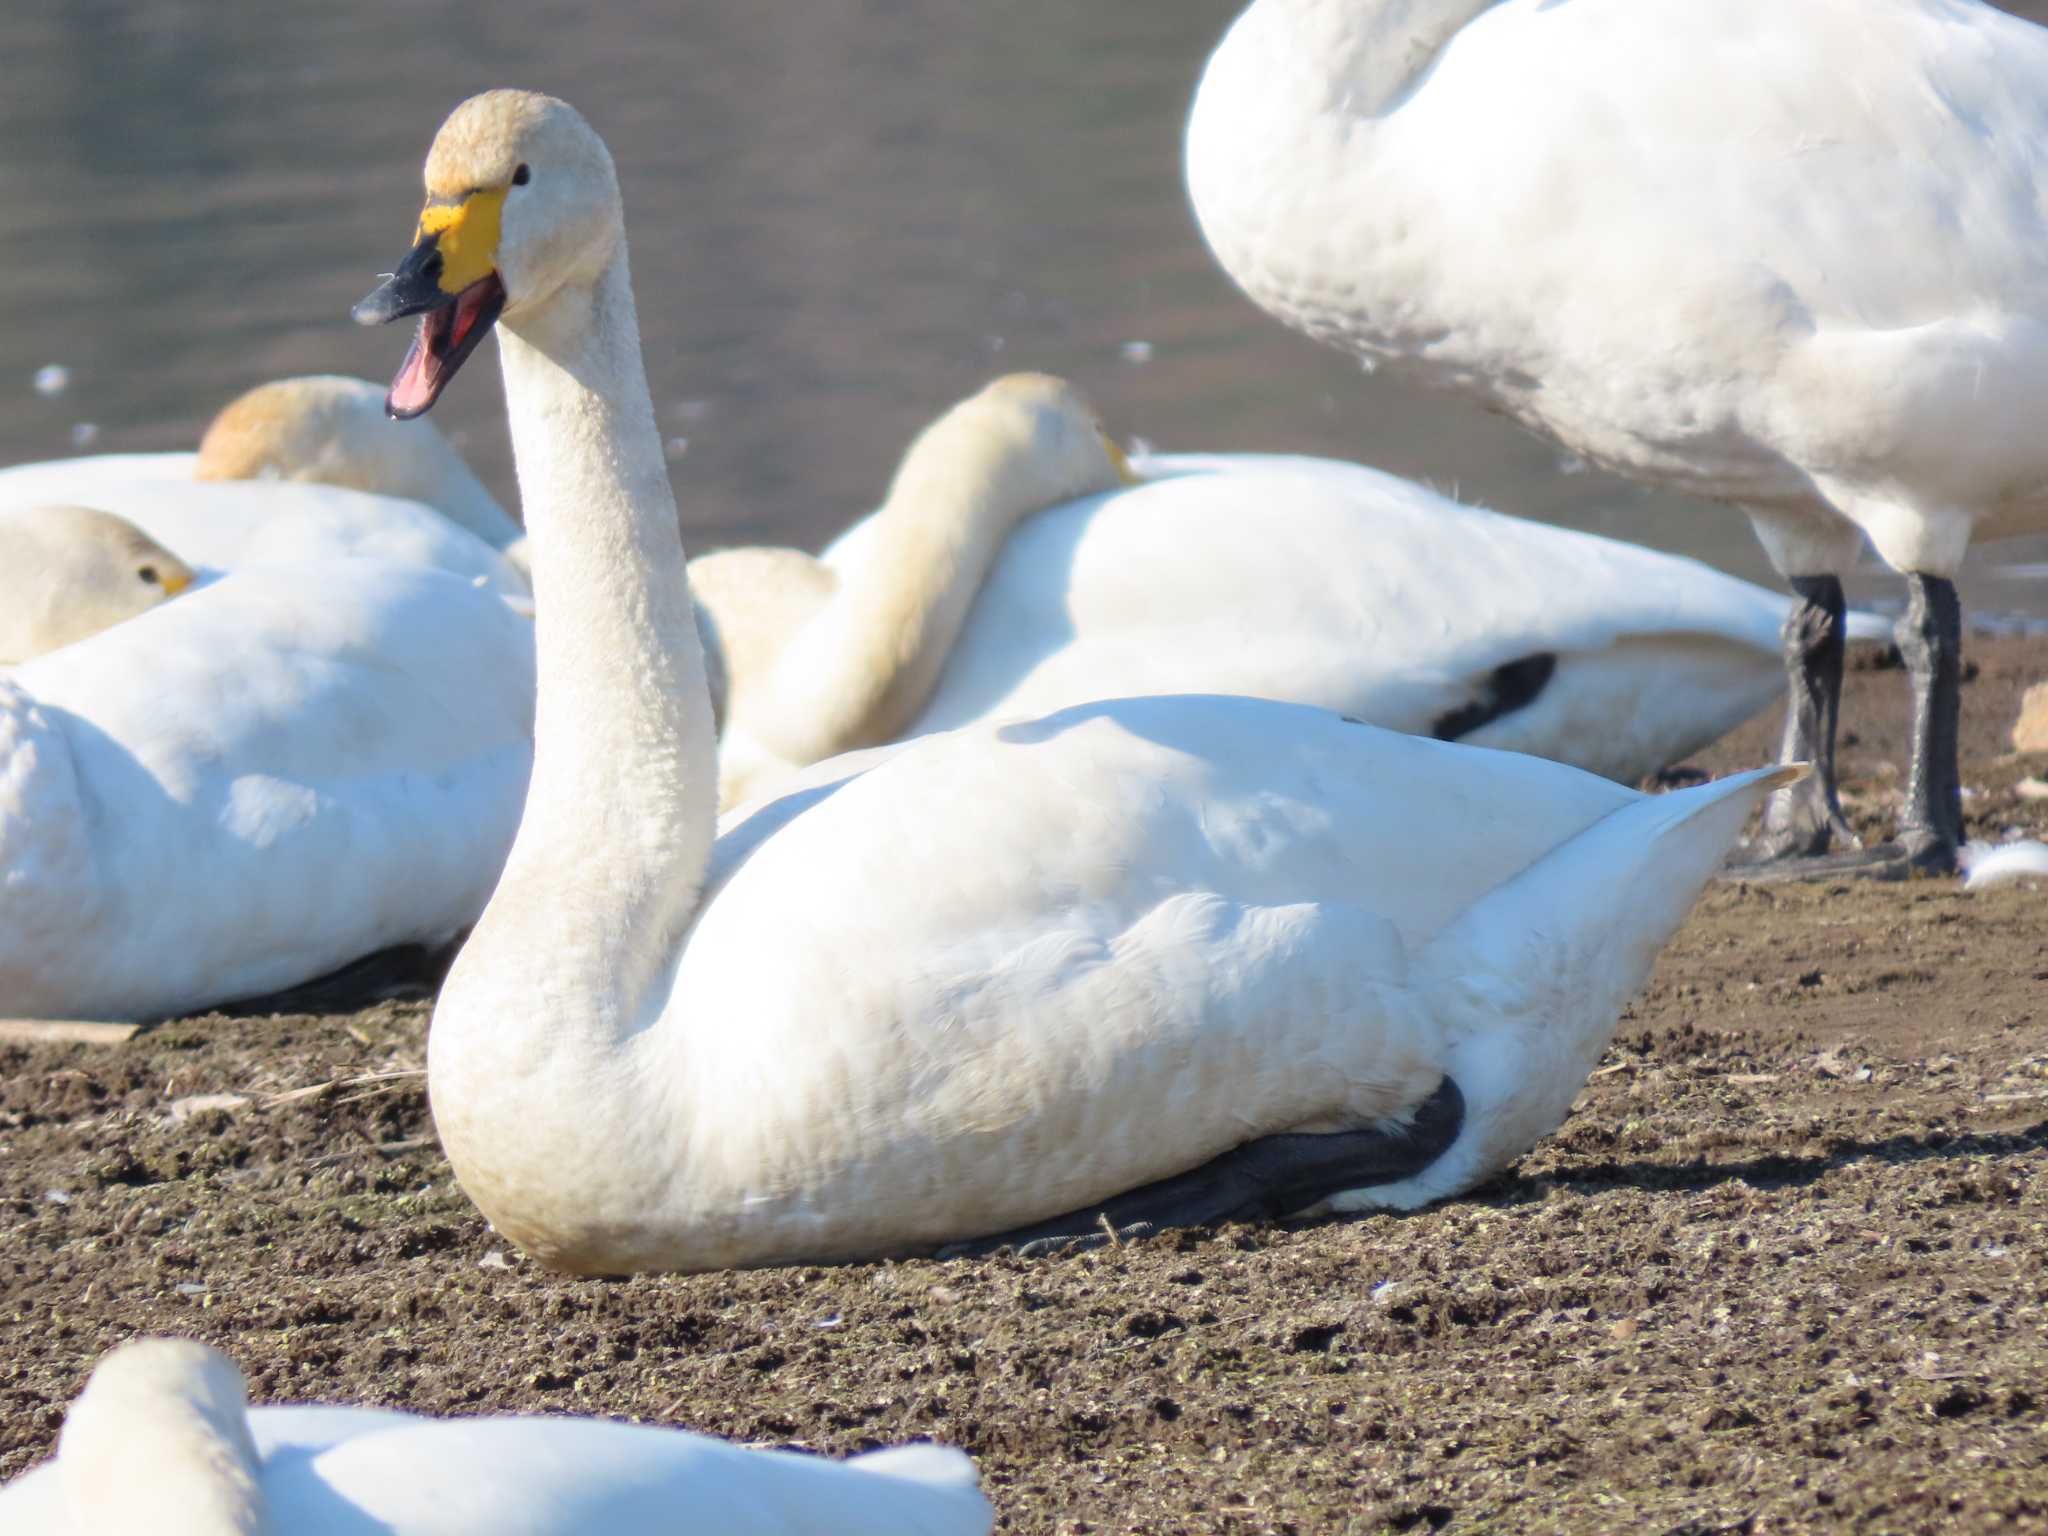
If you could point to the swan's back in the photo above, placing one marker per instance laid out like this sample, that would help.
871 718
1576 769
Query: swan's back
275 774
58 480
1032 921
1733 240
557 1477
231 525
161 1439
1338 585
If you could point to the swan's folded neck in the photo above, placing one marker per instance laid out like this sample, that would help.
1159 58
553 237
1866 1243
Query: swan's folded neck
573 956
1360 55
857 674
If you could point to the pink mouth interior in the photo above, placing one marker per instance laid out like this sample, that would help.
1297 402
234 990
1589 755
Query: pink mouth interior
438 346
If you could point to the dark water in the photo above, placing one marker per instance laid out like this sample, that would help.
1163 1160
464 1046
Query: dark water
844 213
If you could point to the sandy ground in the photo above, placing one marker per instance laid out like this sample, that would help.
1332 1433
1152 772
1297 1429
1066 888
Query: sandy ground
1784 1268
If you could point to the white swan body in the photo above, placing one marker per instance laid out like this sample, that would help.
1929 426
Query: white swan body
256 784
162 1440
1317 582
70 572
1788 256
327 474
232 526
991 975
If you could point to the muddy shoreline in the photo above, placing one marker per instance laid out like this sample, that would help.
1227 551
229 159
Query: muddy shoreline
1785 1268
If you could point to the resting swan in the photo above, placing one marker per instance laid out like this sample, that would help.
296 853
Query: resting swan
70 572
162 1439
983 589
1788 256
1152 960
300 469
252 786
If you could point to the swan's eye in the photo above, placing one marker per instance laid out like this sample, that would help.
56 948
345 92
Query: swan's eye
522 176
148 574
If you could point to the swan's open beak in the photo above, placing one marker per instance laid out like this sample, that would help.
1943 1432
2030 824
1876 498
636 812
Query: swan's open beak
450 280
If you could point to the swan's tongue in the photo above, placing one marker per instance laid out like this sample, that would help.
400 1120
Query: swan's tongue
420 379
446 336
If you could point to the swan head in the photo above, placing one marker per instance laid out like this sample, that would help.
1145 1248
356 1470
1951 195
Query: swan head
522 202
67 573
1027 440
327 430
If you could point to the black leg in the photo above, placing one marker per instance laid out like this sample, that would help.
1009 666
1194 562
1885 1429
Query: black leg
1803 820
1930 636
1261 1180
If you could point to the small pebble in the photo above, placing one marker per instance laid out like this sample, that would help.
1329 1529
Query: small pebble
84 434
1137 351
678 446
56 1197
495 1259
52 379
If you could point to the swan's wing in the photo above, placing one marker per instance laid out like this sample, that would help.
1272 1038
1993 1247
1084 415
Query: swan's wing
570 1477
1116 941
227 525
1337 585
284 771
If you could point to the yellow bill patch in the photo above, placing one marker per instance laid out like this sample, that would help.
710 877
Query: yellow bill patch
1118 460
468 233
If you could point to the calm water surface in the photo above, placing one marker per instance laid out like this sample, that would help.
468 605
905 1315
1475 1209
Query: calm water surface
844 215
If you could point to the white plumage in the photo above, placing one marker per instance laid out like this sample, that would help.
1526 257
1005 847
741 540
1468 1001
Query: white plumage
255 784
1788 256
162 1440
985 977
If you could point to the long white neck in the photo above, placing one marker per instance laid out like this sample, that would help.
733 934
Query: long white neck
159 1441
571 959
859 672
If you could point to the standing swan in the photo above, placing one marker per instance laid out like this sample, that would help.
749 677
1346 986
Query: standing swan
163 1440
1788 256
1159 960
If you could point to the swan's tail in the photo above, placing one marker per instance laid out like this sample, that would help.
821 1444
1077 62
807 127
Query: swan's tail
159 1441
1616 891
1533 976
956 1505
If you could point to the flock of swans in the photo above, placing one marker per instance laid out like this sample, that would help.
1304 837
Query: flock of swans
1077 845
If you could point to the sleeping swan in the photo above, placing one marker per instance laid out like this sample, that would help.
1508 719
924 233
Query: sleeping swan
162 1439
1786 256
302 469
70 572
1019 566
245 789
1152 960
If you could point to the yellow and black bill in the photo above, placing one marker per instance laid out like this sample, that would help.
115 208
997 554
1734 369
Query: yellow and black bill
449 279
